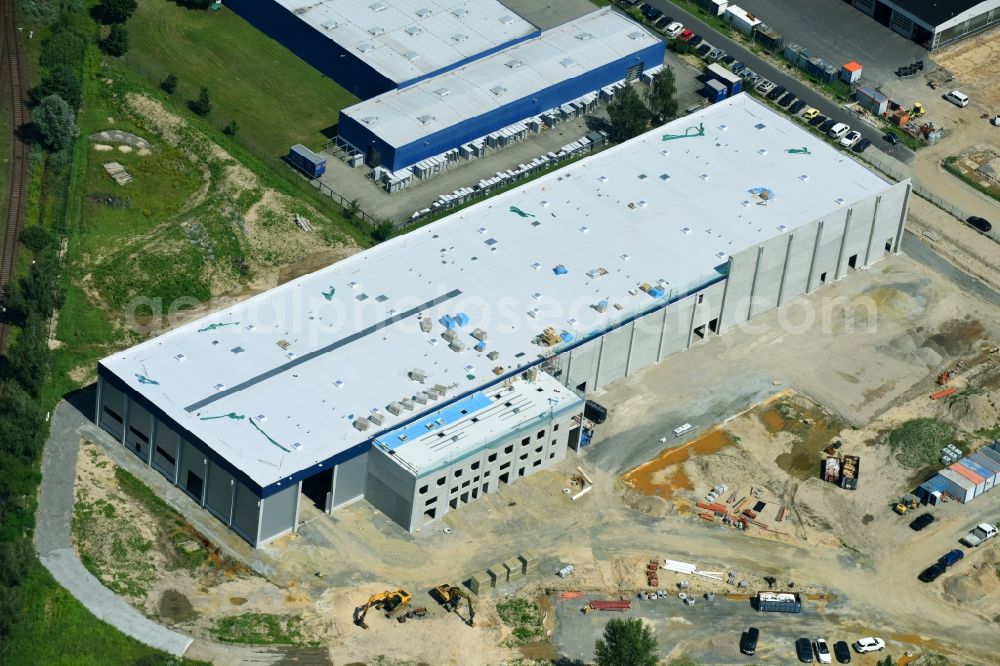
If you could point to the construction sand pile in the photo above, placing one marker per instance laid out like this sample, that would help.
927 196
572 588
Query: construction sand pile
893 303
980 582
974 411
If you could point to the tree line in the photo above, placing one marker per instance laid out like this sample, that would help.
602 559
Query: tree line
630 115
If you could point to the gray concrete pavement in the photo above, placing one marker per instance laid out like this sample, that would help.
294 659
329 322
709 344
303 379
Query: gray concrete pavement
839 33
54 545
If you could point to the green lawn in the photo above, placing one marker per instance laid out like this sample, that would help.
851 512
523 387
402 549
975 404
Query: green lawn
277 99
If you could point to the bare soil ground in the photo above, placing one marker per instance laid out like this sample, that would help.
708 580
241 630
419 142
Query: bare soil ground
969 60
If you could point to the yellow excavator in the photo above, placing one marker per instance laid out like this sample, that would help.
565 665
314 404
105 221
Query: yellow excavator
390 601
450 596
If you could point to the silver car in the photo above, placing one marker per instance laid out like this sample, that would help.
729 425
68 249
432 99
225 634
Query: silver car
765 87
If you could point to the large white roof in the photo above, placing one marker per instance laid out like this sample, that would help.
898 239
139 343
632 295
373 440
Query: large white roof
402 116
408 39
303 361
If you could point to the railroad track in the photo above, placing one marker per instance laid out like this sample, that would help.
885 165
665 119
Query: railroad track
13 70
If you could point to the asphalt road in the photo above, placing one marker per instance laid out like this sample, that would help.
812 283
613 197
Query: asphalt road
827 107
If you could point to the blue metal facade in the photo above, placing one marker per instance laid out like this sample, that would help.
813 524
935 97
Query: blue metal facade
392 157
341 64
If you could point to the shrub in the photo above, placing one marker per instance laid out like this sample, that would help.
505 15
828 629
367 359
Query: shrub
55 121
203 105
116 43
169 84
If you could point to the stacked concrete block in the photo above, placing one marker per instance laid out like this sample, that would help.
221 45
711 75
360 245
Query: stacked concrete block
529 562
513 566
497 574
481 580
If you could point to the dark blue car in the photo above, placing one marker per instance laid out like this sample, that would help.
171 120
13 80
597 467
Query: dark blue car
951 557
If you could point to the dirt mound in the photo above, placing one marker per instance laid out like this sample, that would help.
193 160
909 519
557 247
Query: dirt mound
893 303
974 411
979 583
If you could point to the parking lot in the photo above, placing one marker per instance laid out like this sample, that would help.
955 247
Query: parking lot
839 33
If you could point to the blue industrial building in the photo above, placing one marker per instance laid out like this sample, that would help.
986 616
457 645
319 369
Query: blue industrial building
373 46
400 128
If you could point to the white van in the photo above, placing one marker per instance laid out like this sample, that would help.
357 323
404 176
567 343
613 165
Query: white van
957 98
673 30
839 130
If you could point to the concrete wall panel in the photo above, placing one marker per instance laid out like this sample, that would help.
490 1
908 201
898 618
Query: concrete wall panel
112 412
193 471
139 435
246 510
349 480
219 493
278 513
166 450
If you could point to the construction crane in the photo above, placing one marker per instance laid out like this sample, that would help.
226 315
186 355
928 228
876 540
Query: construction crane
389 601
450 596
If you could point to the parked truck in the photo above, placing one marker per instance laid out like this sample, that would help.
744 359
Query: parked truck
850 469
981 533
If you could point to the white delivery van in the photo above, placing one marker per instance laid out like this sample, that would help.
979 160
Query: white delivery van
957 98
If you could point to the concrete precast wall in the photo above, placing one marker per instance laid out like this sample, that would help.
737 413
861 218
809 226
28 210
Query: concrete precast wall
193 471
390 488
246 511
277 514
111 409
219 492
139 433
349 480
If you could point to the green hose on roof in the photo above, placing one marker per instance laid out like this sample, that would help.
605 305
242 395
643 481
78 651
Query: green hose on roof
798 151
328 295
239 417
518 211
212 327
698 131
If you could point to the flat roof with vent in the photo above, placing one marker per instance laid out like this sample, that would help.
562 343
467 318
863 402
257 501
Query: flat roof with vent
517 72
467 297
411 39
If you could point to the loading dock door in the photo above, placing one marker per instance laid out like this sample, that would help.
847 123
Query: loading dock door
194 485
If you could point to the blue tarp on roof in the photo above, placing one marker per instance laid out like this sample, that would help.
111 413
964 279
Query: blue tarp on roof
435 421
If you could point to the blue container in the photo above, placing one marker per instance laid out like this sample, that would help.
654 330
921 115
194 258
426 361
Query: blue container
462 319
307 161
714 91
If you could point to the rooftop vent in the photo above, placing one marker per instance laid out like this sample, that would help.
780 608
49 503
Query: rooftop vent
411 56
635 34
180 358
459 12
782 228
262 418
535 265
760 126
506 19
642 176
220 387
602 179
762 152
459 37
376 30
378 7
704 176
839 201
423 11
514 64
490 241
584 36
381 298
365 47
686 230
328 25
425 119
237 350
339 383
414 30
723 127
804 178
481 230
625 257
721 255
498 90
369 120
442 92
297 446
584 229
568 62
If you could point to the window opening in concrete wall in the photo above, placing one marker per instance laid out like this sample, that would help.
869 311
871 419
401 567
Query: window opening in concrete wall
713 325
317 487
852 262
888 244
822 278
194 484
113 414
700 332
503 478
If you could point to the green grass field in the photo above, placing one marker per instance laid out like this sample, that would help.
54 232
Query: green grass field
277 99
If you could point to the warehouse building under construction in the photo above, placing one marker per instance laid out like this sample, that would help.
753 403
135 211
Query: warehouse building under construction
440 365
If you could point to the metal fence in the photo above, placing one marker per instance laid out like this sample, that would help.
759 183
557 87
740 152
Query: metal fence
893 168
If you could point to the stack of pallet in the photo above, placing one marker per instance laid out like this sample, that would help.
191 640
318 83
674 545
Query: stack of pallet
118 173
652 578
610 605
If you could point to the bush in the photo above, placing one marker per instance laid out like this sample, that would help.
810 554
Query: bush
115 11
37 238
203 105
62 80
383 231
231 128
116 43
62 48
918 443
55 121
169 84
627 114
626 643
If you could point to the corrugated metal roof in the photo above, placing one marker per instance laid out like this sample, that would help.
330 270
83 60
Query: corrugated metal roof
337 346
409 39
515 73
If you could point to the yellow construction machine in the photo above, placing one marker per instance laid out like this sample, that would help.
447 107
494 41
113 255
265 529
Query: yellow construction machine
392 602
450 596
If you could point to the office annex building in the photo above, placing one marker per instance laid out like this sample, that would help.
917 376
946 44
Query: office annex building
445 363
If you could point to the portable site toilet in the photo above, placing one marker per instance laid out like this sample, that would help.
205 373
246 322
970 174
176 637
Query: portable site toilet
967 471
715 91
850 72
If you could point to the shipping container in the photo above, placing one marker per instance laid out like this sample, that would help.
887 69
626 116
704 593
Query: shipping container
717 72
713 7
307 161
989 463
970 474
983 471
740 19
768 36
714 91
850 72
872 100
930 491
958 486
777 602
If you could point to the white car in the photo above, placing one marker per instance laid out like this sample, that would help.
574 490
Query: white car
823 651
839 130
865 645
850 139
673 30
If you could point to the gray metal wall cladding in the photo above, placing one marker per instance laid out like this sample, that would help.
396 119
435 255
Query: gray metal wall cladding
350 483
278 513
139 433
114 400
245 513
390 488
192 465
166 449
219 493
